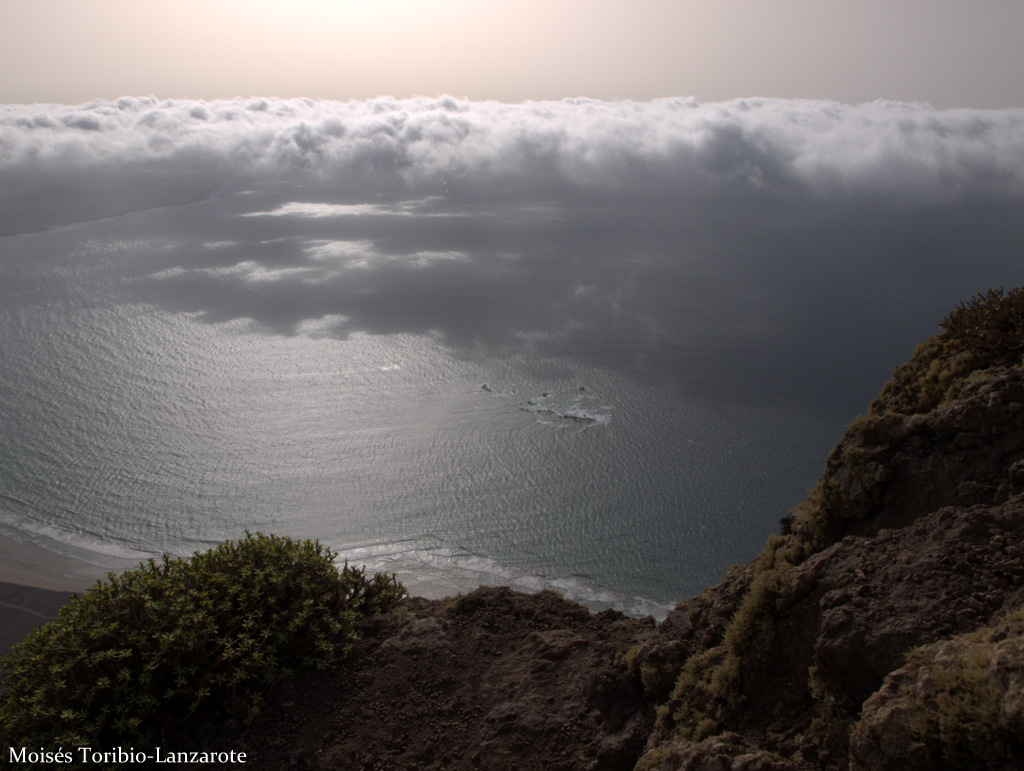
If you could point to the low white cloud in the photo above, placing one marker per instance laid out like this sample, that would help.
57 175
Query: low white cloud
336 256
323 326
897 151
246 272
320 210
340 251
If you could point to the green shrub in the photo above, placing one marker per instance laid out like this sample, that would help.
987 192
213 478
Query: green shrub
152 647
709 685
989 325
986 331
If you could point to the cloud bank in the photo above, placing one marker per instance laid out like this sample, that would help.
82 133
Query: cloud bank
893 151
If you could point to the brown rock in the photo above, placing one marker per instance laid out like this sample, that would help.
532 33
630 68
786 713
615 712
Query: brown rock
956 703
491 680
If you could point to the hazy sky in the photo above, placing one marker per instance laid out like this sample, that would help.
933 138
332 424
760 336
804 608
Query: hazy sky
951 53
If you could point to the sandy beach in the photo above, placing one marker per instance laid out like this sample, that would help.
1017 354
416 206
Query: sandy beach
26 563
22 608
34 583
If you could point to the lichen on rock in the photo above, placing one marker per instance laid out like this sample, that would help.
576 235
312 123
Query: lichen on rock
959 701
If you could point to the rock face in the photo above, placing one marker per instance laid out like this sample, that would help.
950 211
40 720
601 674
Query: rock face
490 680
914 536
883 628
956 702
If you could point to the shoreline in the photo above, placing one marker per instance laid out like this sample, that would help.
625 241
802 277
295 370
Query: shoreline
30 565
68 568
35 583
35 561
23 608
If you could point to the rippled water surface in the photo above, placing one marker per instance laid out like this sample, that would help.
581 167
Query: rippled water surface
618 405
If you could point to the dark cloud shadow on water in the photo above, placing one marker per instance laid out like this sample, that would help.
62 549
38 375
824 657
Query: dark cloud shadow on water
761 250
756 298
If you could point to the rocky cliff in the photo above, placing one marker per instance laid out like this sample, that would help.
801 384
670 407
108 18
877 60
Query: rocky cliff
883 628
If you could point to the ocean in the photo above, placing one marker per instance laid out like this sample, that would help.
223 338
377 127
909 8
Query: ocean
615 393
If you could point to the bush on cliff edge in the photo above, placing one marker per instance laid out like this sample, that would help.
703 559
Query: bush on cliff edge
148 650
986 331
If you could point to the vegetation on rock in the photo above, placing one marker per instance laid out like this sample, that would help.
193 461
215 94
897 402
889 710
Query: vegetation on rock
991 325
947 430
955 702
883 628
986 331
152 648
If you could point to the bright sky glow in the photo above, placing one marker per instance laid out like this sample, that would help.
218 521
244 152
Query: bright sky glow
947 52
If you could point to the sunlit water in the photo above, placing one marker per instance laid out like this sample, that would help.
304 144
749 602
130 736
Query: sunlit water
455 409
